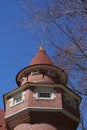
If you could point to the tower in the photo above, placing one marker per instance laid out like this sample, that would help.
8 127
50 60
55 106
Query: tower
42 99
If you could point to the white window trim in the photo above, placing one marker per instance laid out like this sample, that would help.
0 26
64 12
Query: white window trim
16 103
51 91
13 102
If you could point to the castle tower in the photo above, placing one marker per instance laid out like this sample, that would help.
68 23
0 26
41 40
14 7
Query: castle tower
42 101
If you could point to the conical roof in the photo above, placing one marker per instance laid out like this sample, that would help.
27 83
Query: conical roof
41 58
42 62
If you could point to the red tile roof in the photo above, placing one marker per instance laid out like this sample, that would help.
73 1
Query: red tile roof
41 58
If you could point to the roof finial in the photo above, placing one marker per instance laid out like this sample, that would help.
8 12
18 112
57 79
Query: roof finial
41 46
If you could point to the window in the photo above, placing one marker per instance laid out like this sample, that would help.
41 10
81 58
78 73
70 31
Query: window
69 100
44 93
16 99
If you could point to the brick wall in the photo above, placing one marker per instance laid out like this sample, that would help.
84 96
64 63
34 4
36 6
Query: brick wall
54 103
2 120
13 109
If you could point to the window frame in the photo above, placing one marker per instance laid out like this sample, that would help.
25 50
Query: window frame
45 90
44 95
16 99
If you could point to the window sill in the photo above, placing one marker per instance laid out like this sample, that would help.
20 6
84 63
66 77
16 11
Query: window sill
45 98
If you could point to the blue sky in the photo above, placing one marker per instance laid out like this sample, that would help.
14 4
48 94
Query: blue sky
16 47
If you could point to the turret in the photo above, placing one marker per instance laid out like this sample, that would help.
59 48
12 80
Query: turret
42 98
